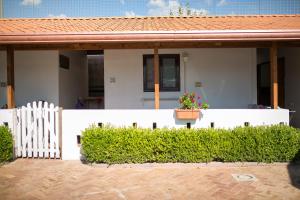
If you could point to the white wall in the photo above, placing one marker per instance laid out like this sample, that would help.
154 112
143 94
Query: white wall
7 116
75 121
228 77
73 81
292 81
36 76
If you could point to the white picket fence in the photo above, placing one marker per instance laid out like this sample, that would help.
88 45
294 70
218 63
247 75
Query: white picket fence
38 131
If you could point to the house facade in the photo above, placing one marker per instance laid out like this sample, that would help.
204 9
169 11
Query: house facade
224 59
125 71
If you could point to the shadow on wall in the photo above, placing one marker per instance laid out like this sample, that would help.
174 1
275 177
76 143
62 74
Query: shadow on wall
294 171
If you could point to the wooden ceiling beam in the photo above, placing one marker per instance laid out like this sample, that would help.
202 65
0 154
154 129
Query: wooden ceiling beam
151 45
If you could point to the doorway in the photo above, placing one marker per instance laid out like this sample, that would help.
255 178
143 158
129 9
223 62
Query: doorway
95 61
264 83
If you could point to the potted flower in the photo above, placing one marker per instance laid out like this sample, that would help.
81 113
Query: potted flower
190 106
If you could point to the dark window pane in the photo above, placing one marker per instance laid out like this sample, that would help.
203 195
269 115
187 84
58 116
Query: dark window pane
168 73
149 74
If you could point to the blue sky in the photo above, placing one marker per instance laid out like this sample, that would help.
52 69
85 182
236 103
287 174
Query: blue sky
98 8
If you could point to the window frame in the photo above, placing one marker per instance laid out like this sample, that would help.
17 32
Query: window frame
177 73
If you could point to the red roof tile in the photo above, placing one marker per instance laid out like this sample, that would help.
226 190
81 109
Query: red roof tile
15 30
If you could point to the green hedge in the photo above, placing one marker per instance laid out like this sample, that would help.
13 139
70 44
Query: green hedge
6 144
133 145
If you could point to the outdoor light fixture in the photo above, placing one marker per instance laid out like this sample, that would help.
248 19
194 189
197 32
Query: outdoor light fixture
185 56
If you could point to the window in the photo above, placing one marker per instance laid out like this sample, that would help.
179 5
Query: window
169 72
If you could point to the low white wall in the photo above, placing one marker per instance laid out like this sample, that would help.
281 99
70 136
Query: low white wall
75 121
228 78
6 116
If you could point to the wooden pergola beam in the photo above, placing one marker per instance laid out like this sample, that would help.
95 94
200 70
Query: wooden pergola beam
149 45
156 78
10 77
274 75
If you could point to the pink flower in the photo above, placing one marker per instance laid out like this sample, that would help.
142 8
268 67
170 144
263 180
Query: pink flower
199 97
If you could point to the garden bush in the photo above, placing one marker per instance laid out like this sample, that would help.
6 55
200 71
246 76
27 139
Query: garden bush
6 144
133 145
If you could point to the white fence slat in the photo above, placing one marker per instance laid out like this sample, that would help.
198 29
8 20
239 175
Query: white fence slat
52 125
57 132
29 130
35 130
23 124
19 136
46 129
40 129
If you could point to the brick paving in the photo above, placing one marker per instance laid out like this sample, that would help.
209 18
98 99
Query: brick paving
55 179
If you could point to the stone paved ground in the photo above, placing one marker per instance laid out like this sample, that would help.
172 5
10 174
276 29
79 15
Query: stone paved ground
56 179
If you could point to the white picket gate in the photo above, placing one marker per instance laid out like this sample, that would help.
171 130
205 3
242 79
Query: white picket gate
38 131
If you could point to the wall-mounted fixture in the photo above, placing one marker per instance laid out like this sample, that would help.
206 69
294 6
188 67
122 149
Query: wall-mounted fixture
188 125
185 56
2 84
154 126
198 84
112 79
78 138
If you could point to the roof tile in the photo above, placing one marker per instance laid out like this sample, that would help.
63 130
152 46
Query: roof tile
126 24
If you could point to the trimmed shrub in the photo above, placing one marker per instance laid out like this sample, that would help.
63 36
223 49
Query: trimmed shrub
6 144
134 145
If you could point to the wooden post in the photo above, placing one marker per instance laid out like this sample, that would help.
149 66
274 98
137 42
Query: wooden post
274 76
10 78
156 78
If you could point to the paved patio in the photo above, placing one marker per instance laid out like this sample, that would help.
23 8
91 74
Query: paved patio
56 179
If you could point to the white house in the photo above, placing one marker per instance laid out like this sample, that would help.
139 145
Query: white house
133 70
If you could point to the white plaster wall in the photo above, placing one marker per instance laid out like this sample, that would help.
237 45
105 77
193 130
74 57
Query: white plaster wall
292 81
7 116
73 82
228 77
75 121
2 77
36 76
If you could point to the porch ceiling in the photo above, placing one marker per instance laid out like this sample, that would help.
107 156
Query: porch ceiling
150 29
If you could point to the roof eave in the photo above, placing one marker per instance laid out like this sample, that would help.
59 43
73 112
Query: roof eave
204 36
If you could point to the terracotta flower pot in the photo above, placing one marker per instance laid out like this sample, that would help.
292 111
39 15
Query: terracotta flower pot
187 114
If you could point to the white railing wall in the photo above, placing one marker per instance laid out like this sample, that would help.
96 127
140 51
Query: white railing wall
75 121
7 117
